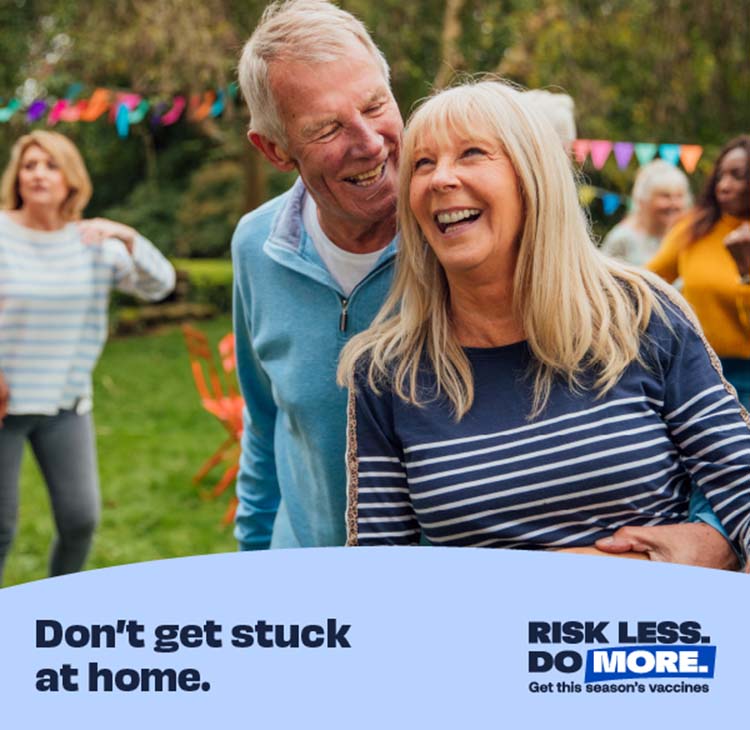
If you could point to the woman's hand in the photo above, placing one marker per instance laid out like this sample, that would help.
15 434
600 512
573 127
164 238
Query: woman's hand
738 244
591 550
4 398
95 230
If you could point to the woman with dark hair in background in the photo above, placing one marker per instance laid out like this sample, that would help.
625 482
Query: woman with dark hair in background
56 274
710 252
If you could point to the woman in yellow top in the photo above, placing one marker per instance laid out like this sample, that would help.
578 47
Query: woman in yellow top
710 251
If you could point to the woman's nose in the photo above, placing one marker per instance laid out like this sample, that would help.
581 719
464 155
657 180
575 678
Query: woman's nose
444 176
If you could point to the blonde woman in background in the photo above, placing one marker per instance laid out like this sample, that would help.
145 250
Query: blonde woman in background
660 196
518 388
56 274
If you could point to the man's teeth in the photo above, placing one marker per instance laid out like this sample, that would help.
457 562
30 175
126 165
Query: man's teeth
455 216
369 177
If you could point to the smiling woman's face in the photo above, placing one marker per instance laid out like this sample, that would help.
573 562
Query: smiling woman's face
733 183
465 196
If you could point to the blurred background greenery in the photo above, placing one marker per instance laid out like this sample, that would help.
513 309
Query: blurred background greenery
639 70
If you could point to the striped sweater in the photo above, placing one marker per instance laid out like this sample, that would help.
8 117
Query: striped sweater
54 296
583 468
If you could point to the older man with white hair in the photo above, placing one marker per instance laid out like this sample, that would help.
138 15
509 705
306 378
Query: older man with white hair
313 266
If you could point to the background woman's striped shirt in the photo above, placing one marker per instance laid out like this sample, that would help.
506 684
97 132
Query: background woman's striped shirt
54 297
585 467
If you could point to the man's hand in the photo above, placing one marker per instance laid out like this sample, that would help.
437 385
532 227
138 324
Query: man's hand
691 543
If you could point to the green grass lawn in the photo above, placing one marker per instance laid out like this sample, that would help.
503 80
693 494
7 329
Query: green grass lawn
152 436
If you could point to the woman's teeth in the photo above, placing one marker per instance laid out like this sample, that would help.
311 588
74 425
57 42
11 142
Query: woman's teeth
449 218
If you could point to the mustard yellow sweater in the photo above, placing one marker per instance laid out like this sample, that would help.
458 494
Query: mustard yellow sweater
711 284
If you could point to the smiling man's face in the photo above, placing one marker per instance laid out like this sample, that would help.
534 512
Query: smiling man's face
343 135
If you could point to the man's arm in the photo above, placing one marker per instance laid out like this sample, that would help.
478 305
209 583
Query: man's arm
257 483
692 543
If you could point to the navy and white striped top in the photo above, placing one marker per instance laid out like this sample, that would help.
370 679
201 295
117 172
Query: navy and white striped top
583 468
54 297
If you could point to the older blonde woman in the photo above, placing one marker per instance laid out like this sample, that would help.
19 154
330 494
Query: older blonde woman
661 195
57 273
518 388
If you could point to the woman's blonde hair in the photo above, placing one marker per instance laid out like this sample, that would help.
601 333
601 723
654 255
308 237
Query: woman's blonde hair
66 155
581 312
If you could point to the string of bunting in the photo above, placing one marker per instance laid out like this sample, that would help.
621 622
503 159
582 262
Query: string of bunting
123 108
599 151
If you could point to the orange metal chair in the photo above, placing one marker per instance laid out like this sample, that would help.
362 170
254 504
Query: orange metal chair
220 398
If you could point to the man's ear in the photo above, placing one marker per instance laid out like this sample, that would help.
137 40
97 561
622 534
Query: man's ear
272 151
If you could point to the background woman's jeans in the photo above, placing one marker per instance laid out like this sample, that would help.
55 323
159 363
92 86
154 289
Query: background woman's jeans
65 449
737 372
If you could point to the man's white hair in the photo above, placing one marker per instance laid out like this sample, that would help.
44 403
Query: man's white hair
311 31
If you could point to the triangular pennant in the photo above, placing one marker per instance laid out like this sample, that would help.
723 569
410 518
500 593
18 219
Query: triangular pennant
202 110
689 156
136 115
623 153
178 106
122 120
217 108
97 105
7 112
586 193
73 90
600 149
60 106
36 111
581 150
645 152
610 203
72 112
670 153
157 112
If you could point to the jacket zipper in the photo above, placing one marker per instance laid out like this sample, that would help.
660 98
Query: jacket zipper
345 301
343 317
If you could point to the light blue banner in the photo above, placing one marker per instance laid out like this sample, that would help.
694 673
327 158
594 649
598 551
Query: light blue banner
376 638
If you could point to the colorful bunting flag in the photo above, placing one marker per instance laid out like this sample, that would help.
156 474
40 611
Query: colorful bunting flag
57 109
178 106
7 112
136 115
610 203
645 152
97 105
670 153
581 150
623 153
600 149
217 108
122 120
689 156
586 194
36 110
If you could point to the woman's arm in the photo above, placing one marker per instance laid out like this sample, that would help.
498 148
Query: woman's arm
379 510
707 426
139 267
